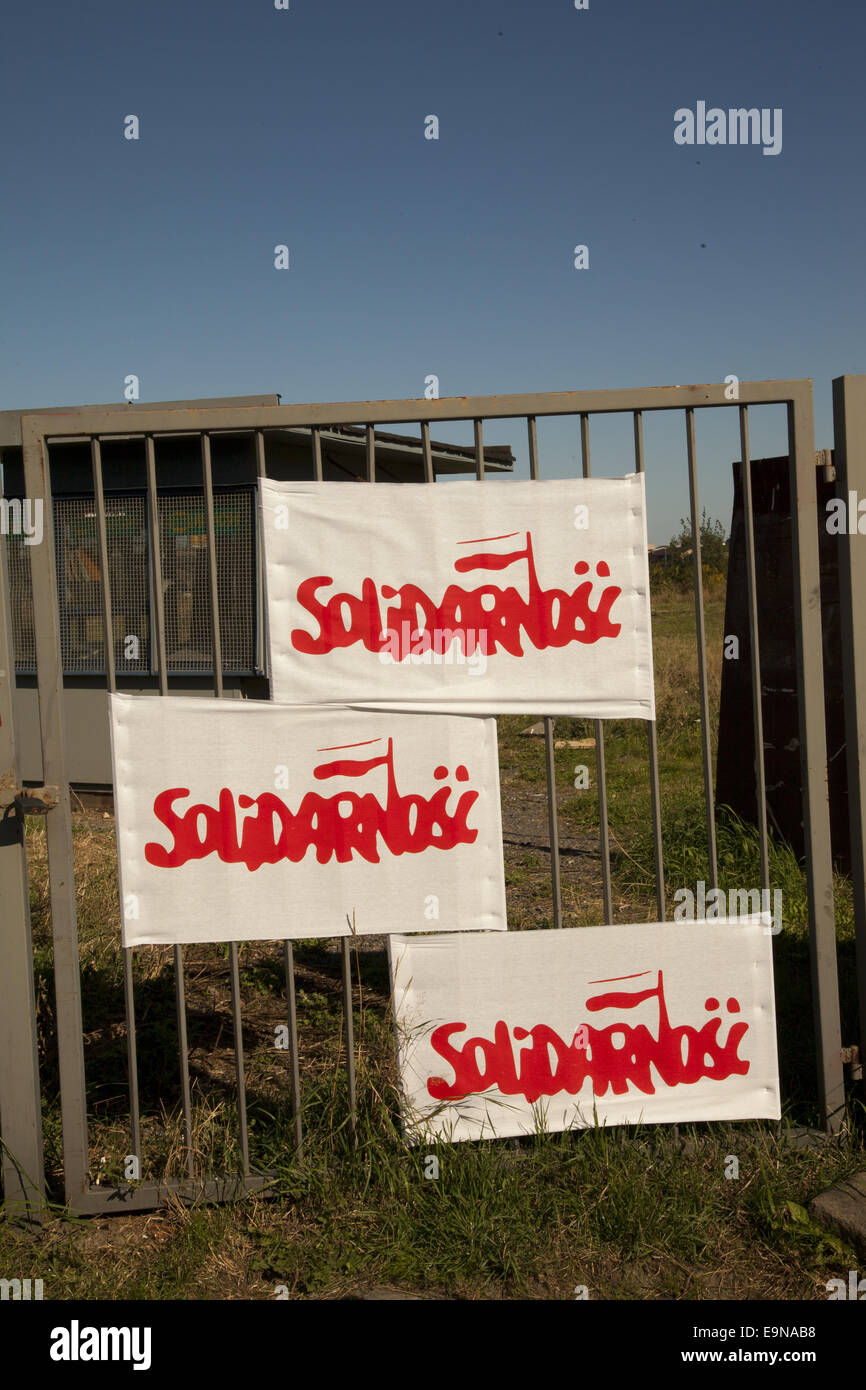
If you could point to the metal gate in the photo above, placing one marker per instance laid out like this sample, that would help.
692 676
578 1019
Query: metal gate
20 1112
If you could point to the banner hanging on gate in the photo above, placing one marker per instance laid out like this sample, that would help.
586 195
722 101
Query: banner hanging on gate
657 1023
471 597
247 820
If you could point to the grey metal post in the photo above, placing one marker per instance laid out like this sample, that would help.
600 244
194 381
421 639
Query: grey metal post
702 649
427 453
699 624
478 428
849 431
108 630
212 577
652 739
754 636
218 690
317 455
550 758
20 1107
162 669
370 450
292 1011
598 726
349 1034
345 950
291 1004
261 615
58 830
813 756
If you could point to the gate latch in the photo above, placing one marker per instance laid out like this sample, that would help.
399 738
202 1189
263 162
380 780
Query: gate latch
12 824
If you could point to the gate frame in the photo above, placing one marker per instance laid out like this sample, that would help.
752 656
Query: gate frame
849 434
20 1093
150 423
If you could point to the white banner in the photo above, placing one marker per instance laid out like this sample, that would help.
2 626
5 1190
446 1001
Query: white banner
508 597
247 820
657 1023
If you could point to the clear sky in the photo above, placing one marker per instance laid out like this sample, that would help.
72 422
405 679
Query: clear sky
410 256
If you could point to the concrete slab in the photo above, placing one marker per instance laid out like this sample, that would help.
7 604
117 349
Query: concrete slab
842 1208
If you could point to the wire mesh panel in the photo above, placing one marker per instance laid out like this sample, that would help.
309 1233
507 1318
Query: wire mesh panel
183 542
80 589
183 551
23 635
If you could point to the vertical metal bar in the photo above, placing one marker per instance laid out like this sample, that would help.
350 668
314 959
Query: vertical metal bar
291 1004
584 443
754 639
349 1033
553 821
156 564
58 830
162 671
108 638
479 450
292 1011
637 417
603 815
552 809
102 541
238 1029
371 454
813 754
213 583
261 624
20 1102
180 1002
702 649
427 452
652 741
598 725
532 435
216 651
317 454
849 430
346 954
132 1054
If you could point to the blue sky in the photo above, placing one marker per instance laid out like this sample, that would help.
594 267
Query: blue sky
455 256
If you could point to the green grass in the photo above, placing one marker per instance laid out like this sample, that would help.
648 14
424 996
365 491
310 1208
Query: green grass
629 1214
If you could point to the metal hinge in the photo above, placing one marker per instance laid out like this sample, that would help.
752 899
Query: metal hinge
851 1058
12 823
11 789
824 459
